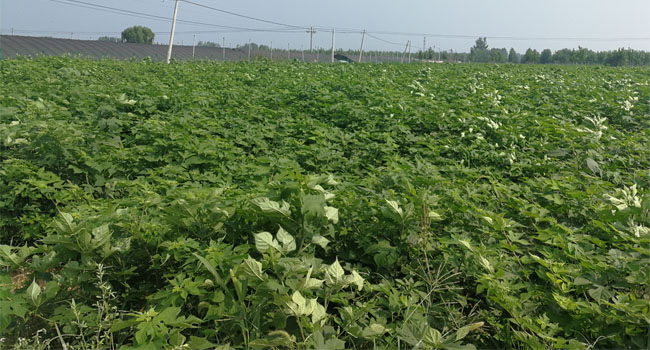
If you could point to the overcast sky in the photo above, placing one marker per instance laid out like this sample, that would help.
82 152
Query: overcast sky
554 24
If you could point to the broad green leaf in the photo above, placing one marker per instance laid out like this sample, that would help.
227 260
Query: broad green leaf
356 279
373 331
318 313
334 273
34 290
434 216
463 331
486 263
330 344
332 214
288 242
265 241
312 283
320 240
395 207
268 206
432 337
253 269
579 281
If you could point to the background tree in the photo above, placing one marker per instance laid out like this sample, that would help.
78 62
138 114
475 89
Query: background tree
512 56
110 39
138 34
479 52
531 56
545 57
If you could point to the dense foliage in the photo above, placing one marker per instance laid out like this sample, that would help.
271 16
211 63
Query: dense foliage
138 35
207 205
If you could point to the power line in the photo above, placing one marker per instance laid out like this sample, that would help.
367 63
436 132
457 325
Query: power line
242 16
295 29
383 40
109 9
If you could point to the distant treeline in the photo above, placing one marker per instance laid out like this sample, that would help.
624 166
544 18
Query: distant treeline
481 53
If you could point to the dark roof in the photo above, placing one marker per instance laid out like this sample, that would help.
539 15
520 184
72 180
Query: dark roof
11 46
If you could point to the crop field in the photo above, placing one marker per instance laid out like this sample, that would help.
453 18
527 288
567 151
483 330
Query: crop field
261 205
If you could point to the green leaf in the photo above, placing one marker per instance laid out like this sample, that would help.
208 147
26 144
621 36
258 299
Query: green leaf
432 337
320 240
434 216
594 167
265 241
199 343
462 332
34 290
332 214
395 207
579 281
318 313
334 273
330 344
268 206
356 279
288 242
253 268
373 331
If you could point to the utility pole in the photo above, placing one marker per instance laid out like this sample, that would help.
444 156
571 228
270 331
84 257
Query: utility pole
171 36
404 54
333 42
249 50
223 46
271 51
303 53
409 51
311 32
363 36
193 45
289 52
424 44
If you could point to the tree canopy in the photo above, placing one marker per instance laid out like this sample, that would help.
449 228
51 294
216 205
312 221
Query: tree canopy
138 34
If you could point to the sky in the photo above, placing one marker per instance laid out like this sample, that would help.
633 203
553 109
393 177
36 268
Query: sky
447 25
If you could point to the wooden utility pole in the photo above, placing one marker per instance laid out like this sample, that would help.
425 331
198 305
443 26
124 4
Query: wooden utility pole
171 36
249 50
271 51
223 45
333 42
404 54
363 36
311 32
409 51
193 45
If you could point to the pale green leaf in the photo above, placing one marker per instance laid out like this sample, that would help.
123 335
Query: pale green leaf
265 241
373 331
268 206
318 313
434 216
395 206
332 214
288 242
34 290
432 337
356 279
320 240
253 268
462 332
334 273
